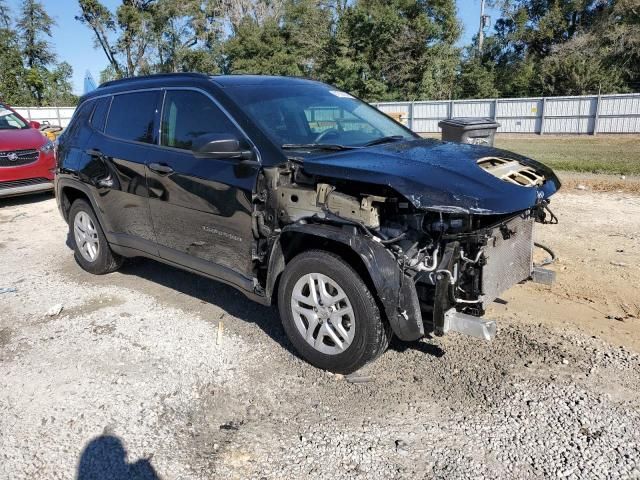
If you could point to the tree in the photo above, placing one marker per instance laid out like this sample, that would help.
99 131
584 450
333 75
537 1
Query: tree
5 15
101 22
34 26
396 49
565 47
58 89
475 79
131 23
291 44
34 23
187 34
147 36
13 89
236 11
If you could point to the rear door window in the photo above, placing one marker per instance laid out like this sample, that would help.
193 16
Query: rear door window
132 116
187 114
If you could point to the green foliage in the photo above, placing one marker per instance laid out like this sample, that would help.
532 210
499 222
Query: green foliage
29 74
13 90
291 44
476 80
377 49
151 36
565 47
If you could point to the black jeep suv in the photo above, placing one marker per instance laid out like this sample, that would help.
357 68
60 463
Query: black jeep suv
293 190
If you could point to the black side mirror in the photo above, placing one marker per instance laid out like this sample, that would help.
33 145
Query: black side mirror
222 146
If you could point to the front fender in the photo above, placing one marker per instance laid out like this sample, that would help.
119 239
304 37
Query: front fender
396 292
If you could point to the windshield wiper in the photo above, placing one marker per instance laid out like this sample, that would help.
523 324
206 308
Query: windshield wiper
387 139
316 146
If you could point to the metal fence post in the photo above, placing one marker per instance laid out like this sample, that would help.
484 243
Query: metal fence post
450 109
29 113
544 107
410 119
58 113
596 120
495 109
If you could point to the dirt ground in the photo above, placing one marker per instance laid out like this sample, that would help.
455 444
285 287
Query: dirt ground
151 372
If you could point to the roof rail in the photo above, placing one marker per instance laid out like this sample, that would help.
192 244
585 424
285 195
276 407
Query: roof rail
151 77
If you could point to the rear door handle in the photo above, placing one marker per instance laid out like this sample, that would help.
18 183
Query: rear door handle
94 153
160 168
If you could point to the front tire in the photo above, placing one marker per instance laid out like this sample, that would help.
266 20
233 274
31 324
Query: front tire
329 314
90 246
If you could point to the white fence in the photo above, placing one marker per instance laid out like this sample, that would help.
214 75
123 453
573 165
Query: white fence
53 115
562 115
586 114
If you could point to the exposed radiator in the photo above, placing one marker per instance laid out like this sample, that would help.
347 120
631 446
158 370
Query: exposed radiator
509 260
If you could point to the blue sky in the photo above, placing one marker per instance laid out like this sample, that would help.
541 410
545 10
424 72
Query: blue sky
74 42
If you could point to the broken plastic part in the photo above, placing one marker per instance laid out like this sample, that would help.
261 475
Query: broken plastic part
512 171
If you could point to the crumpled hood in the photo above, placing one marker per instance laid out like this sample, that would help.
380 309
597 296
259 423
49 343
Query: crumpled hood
436 175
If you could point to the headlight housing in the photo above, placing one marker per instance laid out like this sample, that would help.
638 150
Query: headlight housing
48 147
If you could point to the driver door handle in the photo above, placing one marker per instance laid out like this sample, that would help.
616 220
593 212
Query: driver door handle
160 168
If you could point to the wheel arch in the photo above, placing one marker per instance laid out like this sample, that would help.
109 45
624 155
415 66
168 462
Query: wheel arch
69 191
378 268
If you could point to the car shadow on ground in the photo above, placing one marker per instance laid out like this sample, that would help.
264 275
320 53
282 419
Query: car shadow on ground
25 199
233 302
210 291
418 345
105 458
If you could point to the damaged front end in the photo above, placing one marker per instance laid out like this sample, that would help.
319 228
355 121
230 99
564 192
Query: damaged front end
434 268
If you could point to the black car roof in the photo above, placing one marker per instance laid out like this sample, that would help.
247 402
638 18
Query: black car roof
220 80
262 80
182 79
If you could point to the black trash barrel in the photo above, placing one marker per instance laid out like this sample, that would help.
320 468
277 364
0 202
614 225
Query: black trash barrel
476 131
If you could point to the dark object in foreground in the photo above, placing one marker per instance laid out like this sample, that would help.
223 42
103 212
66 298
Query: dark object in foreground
105 458
292 190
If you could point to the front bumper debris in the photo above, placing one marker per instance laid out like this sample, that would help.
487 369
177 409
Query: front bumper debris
455 321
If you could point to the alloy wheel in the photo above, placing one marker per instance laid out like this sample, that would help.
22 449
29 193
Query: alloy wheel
323 313
86 236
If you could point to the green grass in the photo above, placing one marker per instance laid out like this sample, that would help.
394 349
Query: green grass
600 154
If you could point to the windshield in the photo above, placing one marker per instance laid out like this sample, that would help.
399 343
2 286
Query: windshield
9 120
315 115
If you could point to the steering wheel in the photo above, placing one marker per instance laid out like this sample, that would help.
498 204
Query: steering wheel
326 133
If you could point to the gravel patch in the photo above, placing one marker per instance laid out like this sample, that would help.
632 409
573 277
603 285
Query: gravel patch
125 376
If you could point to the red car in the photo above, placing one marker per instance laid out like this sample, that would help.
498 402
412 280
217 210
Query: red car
27 158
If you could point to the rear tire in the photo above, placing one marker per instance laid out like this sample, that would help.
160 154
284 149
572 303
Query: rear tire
90 246
337 328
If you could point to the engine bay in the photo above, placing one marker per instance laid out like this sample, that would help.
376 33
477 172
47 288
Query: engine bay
456 261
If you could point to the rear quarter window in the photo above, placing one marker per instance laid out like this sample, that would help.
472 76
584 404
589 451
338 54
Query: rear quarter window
79 119
132 116
99 117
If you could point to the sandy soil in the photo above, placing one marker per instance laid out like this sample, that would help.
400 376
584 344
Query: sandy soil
598 270
129 379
